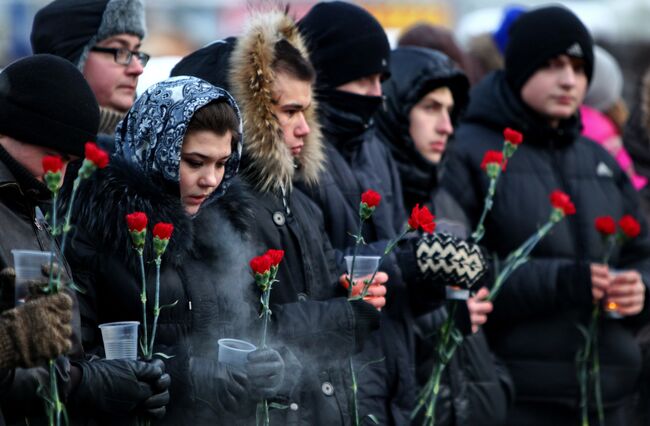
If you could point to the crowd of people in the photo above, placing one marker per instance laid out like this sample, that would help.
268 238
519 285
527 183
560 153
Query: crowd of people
271 139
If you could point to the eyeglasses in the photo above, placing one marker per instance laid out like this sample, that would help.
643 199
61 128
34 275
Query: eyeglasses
123 56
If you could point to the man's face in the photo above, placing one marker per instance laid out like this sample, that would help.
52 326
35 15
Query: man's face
557 89
291 98
365 86
430 123
114 84
31 156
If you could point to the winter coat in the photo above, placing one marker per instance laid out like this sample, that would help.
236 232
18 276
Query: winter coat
286 219
534 324
357 161
477 390
22 199
205 283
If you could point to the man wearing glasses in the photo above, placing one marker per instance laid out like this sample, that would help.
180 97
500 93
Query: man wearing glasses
102 38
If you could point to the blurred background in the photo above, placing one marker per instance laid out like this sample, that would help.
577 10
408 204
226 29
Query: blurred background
177 27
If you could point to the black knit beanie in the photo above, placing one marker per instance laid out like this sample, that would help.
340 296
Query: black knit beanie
46 101
346 43
541 34
69 28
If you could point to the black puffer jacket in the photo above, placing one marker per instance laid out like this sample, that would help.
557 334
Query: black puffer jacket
534 325
477 390
24 227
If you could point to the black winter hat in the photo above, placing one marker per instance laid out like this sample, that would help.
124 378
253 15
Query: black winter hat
541 34
210 63
346 43
69 28
46 101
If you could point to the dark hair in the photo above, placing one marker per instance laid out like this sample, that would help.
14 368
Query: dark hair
217 117
289 60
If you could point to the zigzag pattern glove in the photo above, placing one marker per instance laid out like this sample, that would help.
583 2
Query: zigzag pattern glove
454 262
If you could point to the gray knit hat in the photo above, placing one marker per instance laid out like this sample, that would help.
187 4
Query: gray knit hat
69 28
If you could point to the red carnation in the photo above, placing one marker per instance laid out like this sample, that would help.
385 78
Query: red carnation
98 156
136 221
513 136
275 255
562 201
492 157
422 218
52 164
370 198
261 264
605 225
163 230
629 225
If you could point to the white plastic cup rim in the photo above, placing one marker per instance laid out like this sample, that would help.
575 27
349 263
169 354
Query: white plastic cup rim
30 261
363 265
237 345
119 324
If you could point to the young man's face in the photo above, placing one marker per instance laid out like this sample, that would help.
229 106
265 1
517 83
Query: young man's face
430 123
31 156
291 98
557 89
365 86
114 84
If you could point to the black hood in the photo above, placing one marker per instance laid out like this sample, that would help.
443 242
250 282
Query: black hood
415 72
494 105
210 63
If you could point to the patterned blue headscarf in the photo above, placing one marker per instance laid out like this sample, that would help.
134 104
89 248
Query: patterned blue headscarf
151 134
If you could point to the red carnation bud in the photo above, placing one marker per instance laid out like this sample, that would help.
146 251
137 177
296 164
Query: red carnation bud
52 164
163 230
275 255
422 218
560 200
605 225
136 221
630 226
513 136
493 157
261 264
97 155
370 198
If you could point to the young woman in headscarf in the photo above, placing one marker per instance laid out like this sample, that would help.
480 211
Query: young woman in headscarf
176 153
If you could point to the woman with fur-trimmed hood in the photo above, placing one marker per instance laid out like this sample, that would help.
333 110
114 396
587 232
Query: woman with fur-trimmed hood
271 78
177 152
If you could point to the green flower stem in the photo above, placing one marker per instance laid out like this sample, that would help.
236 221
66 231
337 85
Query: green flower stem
355 389
477 235
358 238
156 306
518 258
595 367
52 286
146 353
266 314
445 349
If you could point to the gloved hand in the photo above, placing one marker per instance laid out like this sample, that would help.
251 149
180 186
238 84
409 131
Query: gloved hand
35 332
120 387
219 386
450 260
265 371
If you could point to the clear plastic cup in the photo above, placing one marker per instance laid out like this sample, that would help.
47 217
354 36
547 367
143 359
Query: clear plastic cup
29 266
611 308
234 352
120 339
363 265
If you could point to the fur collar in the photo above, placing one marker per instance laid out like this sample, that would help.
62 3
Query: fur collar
103 202
269 165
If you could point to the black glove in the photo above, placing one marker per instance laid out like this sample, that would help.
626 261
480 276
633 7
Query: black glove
219 386
119 387
265 371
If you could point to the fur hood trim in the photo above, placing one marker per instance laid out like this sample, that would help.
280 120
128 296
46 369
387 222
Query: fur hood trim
103 202
269 165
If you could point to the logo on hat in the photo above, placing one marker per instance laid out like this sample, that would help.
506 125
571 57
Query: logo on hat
603 170
384 62
575 50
